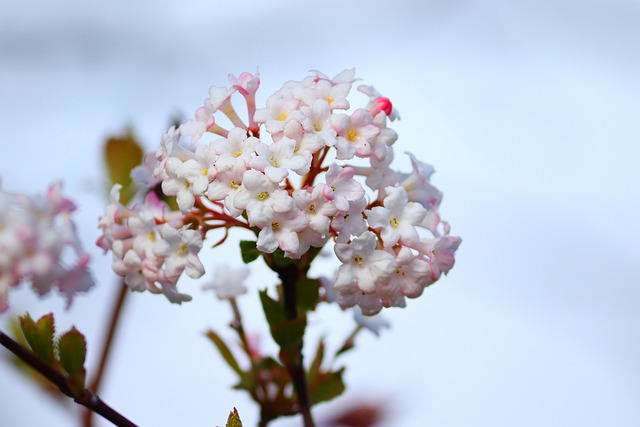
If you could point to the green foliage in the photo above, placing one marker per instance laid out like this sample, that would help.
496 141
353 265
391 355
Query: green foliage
39 336
234 419
307 293
72 348
225 352
121 154
286 333
249 251
327 386
323 385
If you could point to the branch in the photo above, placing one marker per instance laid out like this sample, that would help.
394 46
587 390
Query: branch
84 397
290 277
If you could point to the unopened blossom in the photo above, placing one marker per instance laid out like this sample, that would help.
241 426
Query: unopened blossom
378 103
228 282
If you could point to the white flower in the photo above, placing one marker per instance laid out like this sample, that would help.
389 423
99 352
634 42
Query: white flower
228 282
282 233
397 219
363 268
261 198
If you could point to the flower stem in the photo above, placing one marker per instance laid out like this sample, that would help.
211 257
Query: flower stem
84 397
94 385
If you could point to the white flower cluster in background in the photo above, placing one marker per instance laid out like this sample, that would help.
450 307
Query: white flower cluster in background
39 244
293 173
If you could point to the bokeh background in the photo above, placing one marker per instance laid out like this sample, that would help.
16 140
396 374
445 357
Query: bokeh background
529 112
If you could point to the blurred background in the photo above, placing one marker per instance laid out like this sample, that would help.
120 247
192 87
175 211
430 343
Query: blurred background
529 112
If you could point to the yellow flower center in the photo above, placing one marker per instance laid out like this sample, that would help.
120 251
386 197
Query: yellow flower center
283 116
263 195
357 259
275 226
394 222
352 135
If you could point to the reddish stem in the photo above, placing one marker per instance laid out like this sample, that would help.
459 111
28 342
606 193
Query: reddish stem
94 385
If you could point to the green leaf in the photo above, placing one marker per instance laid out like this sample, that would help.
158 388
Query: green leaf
328 385
289 333
247 382
308 293
225 352
121 154
273 310
249 251
234 419
316 363
72 347
39 335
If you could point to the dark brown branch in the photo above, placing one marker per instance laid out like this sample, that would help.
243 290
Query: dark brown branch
84 397
290 277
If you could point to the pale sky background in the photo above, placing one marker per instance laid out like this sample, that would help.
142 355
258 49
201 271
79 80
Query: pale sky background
528 111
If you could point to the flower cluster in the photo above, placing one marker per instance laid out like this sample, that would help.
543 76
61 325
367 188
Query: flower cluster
39 244
150 246
322 174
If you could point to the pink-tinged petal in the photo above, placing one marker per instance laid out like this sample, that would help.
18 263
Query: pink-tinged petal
267 241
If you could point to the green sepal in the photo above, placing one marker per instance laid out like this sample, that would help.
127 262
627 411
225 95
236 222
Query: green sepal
308 292
234 419
72 349
121 155
39 335
225 352
249 251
